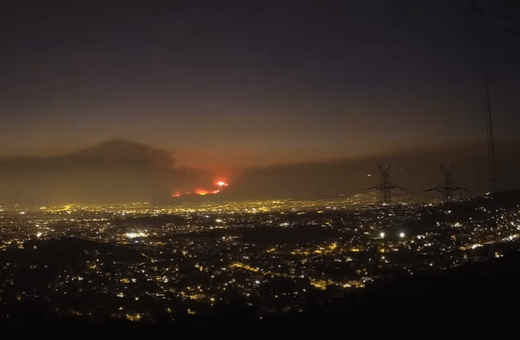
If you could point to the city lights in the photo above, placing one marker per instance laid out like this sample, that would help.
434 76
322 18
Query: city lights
134 235
137 249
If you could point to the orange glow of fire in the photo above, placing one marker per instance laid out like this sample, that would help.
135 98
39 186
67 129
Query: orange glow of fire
219 182
203 192
222 184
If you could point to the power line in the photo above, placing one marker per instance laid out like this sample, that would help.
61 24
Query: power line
490 139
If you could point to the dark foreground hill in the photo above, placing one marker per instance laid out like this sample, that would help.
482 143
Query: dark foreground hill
475 299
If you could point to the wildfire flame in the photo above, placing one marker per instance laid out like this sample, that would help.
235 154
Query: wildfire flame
203 192
220 183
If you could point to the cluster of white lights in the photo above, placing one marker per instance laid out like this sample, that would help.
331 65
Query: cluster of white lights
401 235
134 235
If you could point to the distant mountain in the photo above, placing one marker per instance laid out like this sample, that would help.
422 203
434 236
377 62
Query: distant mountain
123 171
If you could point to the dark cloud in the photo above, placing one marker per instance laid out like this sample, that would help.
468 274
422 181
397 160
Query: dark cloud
115 171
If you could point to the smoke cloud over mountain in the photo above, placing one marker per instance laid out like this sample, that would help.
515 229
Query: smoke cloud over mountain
416 170
115 171
123 171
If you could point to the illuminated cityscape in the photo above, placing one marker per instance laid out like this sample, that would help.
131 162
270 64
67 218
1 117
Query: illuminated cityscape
133 261
259 169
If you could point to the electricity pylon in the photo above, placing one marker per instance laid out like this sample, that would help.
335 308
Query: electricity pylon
385 186
447 187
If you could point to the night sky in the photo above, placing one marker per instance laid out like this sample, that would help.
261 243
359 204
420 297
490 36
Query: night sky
250 83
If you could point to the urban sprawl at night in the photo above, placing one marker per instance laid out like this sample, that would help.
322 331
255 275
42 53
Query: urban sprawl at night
141 262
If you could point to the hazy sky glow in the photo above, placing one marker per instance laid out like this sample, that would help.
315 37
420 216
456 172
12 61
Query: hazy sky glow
250 83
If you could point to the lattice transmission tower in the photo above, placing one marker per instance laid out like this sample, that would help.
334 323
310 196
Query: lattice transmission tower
447 188
385 186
